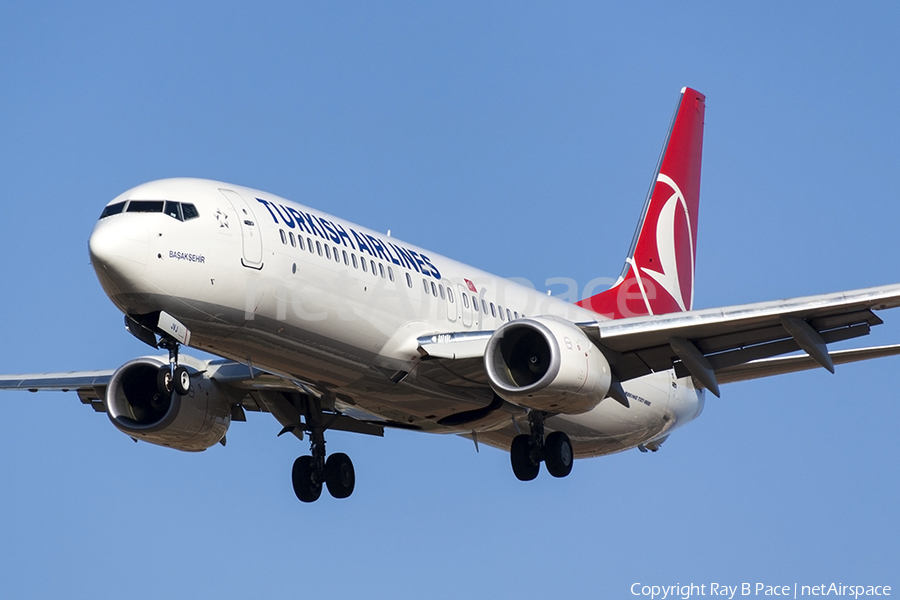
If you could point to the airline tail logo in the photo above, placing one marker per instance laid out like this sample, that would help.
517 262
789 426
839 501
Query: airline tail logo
674 251
659 271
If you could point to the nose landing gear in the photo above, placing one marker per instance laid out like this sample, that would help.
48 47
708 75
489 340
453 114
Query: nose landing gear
530 449
172 377
172 333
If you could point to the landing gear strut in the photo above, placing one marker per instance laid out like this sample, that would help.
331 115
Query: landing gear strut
172 377
311 471
529 449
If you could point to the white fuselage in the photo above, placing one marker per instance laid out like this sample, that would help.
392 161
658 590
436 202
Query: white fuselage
311 297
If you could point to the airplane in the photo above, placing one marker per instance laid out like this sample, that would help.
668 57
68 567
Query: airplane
328 325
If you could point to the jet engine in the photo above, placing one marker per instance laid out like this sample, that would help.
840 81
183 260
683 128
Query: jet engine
191 423
545 363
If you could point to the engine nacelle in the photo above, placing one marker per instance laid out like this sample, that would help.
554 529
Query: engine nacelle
546 363
191 423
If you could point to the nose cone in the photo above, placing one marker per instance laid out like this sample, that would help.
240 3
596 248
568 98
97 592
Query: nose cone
119 246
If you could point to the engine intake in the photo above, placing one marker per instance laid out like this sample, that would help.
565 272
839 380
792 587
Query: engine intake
546 363
190 423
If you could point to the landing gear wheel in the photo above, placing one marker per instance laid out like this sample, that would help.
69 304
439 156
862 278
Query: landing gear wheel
558 454
520 455
302 476
164 381
182 381
339 475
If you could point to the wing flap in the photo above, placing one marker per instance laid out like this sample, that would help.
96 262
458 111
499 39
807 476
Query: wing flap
792 364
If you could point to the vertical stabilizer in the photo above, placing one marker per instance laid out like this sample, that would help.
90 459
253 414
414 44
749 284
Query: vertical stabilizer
658 276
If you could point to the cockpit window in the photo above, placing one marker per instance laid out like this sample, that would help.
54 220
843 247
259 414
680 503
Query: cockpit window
112 209
177 210
145 206
189 211
173 209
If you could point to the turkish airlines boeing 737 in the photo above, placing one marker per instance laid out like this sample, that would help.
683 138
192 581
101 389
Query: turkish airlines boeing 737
329 325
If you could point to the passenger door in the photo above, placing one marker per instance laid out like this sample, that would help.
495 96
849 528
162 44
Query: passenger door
250 230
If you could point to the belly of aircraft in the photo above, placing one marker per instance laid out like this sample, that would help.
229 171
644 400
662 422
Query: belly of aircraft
408 394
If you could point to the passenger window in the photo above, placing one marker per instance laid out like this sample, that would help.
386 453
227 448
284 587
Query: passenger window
516 313
409 281
173 209
425 285
319 247
353 256
346 259
283 240
362 261
112 209
390 273
433 290
327 252
300 241
484 306
372 264
500 310
465 300
145 206
450 295
508 316
493 314
475 303
441 288
189 211
310 245
293 240
381 270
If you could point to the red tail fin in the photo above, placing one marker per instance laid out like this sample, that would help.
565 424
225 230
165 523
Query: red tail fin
659 272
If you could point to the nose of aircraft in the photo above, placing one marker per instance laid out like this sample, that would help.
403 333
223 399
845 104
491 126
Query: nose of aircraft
119 247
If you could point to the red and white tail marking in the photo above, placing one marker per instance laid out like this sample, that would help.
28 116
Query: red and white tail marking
659 272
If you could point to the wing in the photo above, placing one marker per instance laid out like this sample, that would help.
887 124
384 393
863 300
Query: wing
702 343
253 390
714 345
90 385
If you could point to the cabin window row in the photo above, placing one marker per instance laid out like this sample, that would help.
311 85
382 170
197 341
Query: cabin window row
436 290
337 254
367 265
483 306
479 305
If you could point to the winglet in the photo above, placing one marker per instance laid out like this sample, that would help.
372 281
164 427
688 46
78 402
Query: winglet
658 277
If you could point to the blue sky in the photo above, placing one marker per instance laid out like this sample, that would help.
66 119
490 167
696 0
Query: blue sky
519 138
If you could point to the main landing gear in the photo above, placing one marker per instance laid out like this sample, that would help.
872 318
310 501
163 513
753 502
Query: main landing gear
530 449
172 377
311 471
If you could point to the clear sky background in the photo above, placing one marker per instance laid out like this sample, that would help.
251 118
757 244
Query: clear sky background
520 138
